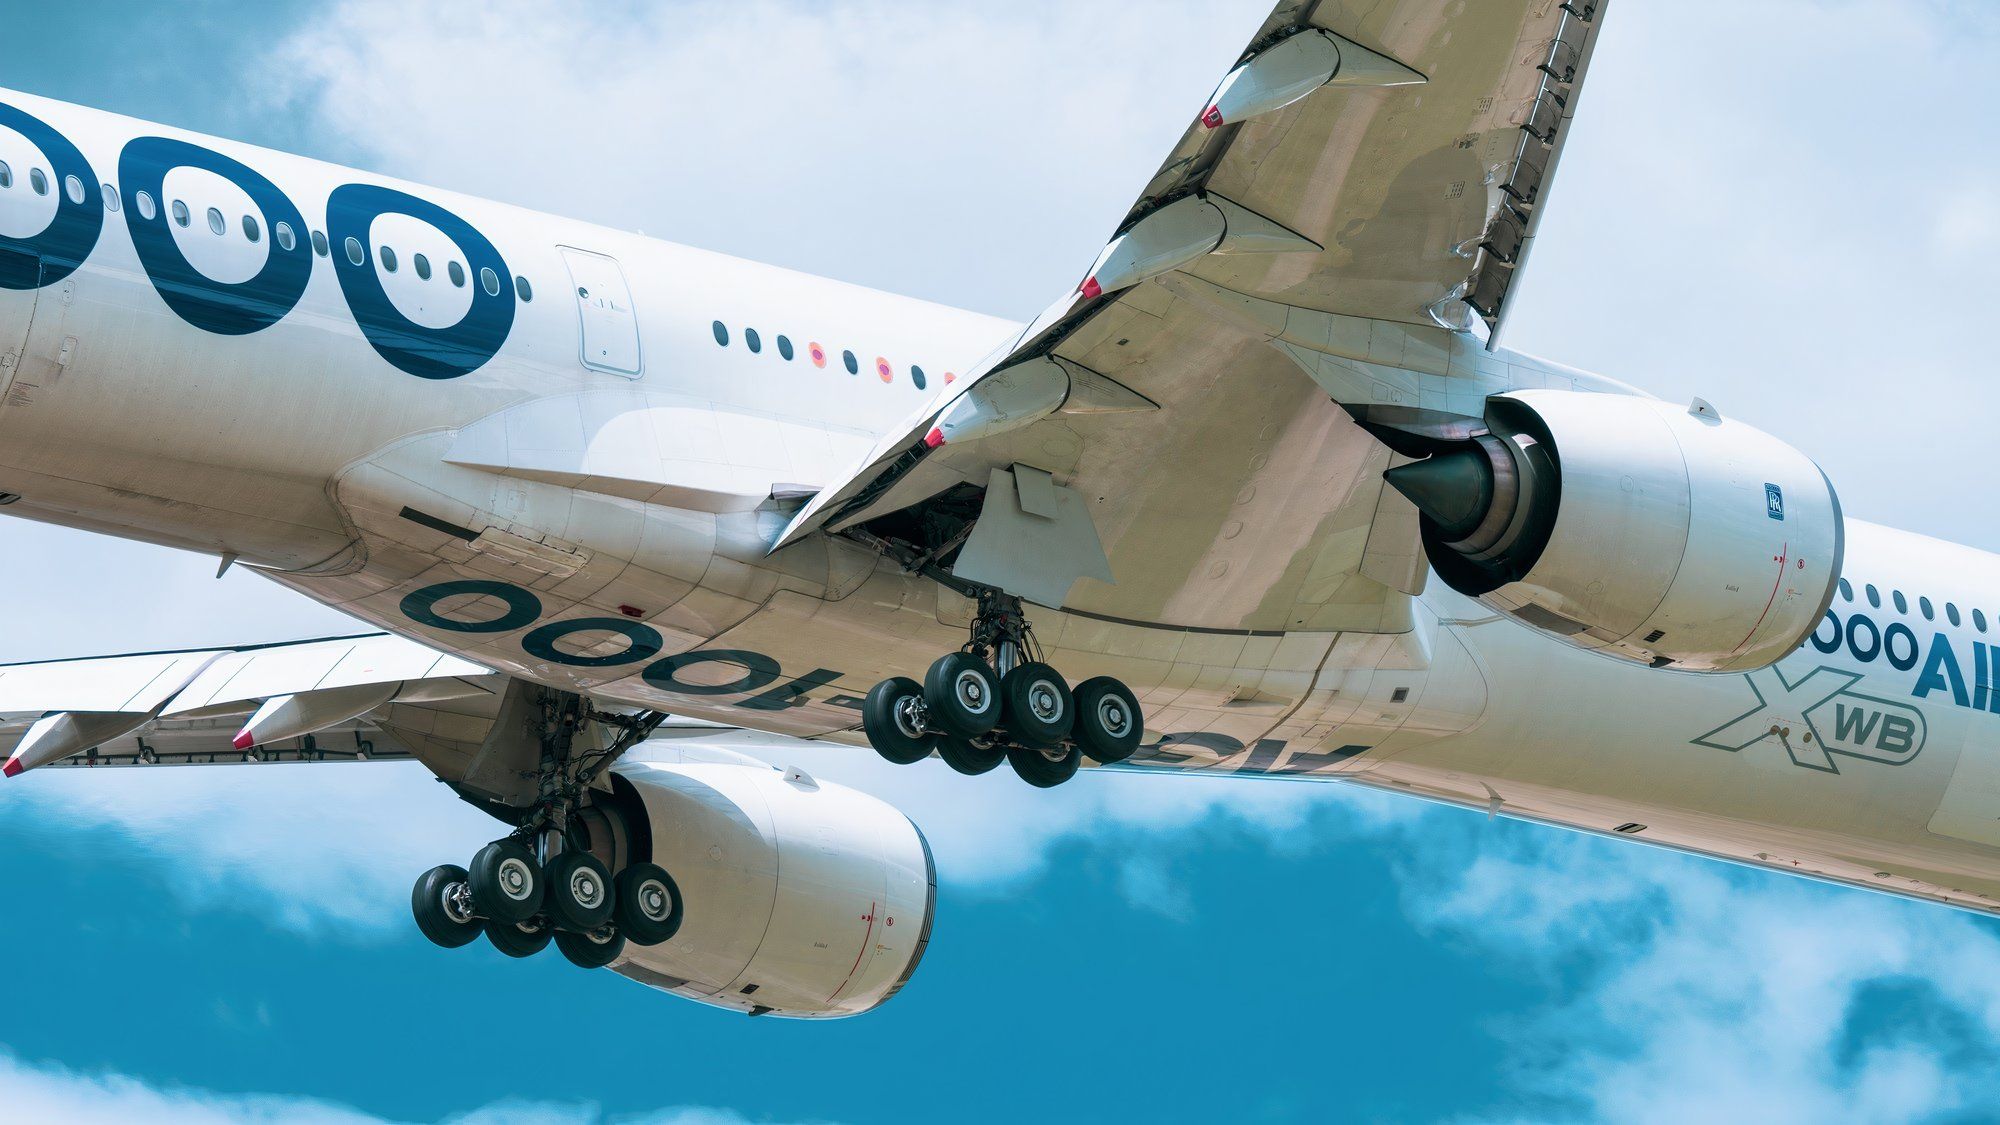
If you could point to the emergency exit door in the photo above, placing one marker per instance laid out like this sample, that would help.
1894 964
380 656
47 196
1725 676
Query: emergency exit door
610 328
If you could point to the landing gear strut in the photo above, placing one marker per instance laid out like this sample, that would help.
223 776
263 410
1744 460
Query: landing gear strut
542 882
995 700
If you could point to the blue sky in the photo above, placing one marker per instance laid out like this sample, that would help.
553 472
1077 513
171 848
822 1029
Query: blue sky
1786 207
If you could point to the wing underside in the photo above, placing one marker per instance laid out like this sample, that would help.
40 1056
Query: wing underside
1293 266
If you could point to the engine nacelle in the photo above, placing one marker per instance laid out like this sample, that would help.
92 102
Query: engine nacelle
1633 527
800 898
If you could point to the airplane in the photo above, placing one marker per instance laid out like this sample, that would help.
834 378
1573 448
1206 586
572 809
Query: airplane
1262 495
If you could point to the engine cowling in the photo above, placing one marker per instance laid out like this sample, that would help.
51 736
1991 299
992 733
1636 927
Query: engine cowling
800 898
1630 526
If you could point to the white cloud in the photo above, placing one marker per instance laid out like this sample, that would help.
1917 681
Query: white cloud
1708 993
52 1093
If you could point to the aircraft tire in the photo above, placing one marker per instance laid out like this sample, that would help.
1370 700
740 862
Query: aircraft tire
506 881
1109 723
1034 767
592 950
428 901
648 907
960 754
517 939
887 722
962 695
1038 704
580 894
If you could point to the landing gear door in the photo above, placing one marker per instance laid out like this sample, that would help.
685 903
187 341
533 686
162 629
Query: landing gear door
610 328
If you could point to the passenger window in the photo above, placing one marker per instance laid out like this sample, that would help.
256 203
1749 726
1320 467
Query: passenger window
489 281
251 230
110 197
917 377
721 333
144 203
457 273
215 223
388 260
75 188
753 341
6 175
422 266
1902 603
1874 596
523 290
355 254
1951 614
287 241
785 347
181 216
1979 620
853 365
1846 591
1925 605
39 180
319 243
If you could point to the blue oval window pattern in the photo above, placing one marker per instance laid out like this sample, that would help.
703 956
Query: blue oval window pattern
917 376
56 252
427 353
753 341
721 331
785 347
853 365
223 308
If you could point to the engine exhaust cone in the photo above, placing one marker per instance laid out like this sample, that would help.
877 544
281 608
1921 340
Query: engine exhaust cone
1454 489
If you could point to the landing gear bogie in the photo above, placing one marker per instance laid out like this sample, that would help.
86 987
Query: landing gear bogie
992 701
442 903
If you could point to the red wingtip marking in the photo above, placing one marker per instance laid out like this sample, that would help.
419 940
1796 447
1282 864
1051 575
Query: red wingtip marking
1212 118
12 767
934 439
244 740
1091 289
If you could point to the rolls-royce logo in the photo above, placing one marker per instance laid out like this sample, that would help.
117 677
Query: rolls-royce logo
1774 501
1821 717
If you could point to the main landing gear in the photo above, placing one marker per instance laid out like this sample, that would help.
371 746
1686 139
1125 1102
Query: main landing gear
992 701
543 882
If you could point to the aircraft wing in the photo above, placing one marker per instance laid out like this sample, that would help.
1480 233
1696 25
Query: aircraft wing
1334 240
338 699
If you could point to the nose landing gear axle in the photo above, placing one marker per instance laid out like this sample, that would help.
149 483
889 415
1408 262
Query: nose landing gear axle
994 700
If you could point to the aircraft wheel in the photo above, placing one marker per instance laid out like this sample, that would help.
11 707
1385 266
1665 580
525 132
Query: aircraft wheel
592 950
1037 769
648 906
442 911
960 754
890 718
1038 704
579 897
962 695
1108 721
506 881
518 939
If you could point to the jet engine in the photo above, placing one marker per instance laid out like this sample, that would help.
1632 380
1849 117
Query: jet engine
798 897
1632 527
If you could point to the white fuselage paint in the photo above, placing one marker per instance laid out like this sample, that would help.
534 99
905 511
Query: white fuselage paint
646 500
